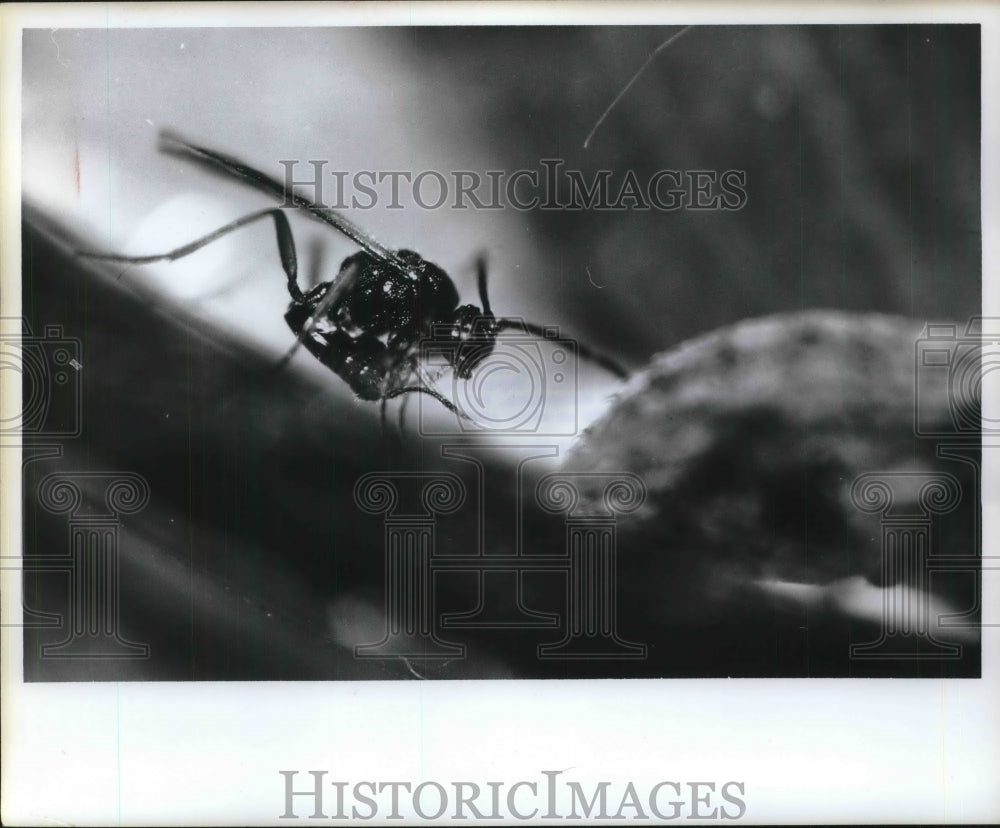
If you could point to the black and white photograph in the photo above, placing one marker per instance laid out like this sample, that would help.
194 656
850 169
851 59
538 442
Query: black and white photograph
402 351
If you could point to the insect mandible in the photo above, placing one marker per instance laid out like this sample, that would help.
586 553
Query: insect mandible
368 322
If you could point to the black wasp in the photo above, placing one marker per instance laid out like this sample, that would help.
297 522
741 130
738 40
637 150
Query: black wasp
367 324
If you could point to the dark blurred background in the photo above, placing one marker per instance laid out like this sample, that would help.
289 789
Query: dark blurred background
860 146
861 151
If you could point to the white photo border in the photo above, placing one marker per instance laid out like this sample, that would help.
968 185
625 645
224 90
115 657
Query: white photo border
209 753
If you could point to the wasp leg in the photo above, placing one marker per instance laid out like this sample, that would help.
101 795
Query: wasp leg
286 247
401 416
403 368
401 421
393 442
394 439
582 350
427 378
419 389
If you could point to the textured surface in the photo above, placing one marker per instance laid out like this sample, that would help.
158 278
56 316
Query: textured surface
749 440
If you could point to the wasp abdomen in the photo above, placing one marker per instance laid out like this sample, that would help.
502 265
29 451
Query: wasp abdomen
360 361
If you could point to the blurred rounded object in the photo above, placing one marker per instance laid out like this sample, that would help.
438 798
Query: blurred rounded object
749 440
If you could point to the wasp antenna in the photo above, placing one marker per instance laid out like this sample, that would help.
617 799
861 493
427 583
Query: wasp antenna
583 351
481 277
173 144
286 247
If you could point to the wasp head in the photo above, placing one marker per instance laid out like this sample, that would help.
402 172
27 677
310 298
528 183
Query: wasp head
474 334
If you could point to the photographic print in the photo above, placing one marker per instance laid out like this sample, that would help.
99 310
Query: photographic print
380 352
